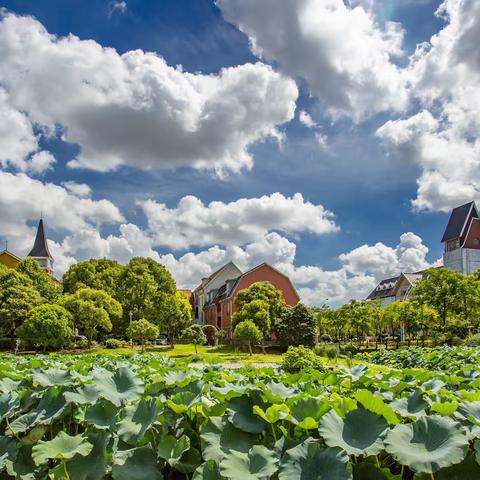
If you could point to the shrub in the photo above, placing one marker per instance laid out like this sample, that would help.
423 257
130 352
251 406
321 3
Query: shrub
115 343
49 326
248 333
141 331
298 358
473 341
329 351
194 334
326 338
349 350
81 343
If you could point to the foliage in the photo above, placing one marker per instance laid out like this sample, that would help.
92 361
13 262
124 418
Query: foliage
115 343
267 293
92 310
298 358
142 285
41 280
248 333
170 314
446 358
297 327
17 297
91 417
49 326
195 334
142 331
257 312
99 274
330 351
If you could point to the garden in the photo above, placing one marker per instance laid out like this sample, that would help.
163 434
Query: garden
148 416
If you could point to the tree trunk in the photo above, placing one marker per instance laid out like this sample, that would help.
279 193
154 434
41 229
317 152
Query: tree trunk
195 345
143 347
250 348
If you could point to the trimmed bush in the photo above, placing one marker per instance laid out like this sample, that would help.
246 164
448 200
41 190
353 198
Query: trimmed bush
115 343
298 358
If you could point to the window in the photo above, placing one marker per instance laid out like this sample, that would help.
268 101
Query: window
476 241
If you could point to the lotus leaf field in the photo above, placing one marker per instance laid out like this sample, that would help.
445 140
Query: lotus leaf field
146 417
448 359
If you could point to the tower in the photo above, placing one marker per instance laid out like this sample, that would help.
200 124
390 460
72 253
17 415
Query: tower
40 251
462 240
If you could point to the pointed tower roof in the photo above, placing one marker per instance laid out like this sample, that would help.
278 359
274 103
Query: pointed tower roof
40 247
459 221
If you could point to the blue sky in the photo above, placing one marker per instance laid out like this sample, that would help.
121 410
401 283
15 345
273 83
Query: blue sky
335 158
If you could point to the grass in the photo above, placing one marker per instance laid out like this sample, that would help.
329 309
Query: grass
225 354
186 352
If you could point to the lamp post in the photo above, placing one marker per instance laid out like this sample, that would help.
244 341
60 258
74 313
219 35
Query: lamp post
130 315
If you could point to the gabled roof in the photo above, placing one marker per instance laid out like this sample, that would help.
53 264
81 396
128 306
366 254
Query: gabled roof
234 284
384 289
459 221
206 281
40 247
10 254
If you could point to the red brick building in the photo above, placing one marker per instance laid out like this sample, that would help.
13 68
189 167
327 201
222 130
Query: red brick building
221 306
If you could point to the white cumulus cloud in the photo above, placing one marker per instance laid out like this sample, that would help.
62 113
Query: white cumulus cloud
132 109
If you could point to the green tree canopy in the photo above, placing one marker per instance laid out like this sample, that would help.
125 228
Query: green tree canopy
195 334
258 312
92 310
141 285
17 297
248 334
448 293
99 274
41 280
298 327
266 292
49 326
141 331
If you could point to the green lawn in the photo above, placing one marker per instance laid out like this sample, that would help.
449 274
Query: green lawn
224 354
220 354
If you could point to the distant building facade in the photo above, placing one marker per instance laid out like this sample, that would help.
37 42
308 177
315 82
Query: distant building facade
217 306
462 240
461 254
40 252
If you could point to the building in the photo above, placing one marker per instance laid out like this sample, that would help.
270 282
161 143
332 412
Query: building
218 304
209 286
396 288
40 252
462 240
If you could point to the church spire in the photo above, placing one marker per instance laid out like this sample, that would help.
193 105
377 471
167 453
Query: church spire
40 251
40 247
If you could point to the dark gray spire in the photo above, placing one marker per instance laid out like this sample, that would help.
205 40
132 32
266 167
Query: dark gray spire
40 247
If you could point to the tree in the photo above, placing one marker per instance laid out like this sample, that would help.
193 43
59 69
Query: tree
195 334
92 310
440 290
49 326
168 312
393 318
41 280
297 327
266 292
17 297
248 334
141 331
377 319
99 274
141 284
258 312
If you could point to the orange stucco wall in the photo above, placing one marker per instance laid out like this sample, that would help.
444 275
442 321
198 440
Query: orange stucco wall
262 274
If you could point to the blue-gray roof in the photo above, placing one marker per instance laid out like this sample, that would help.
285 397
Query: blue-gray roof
459 218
